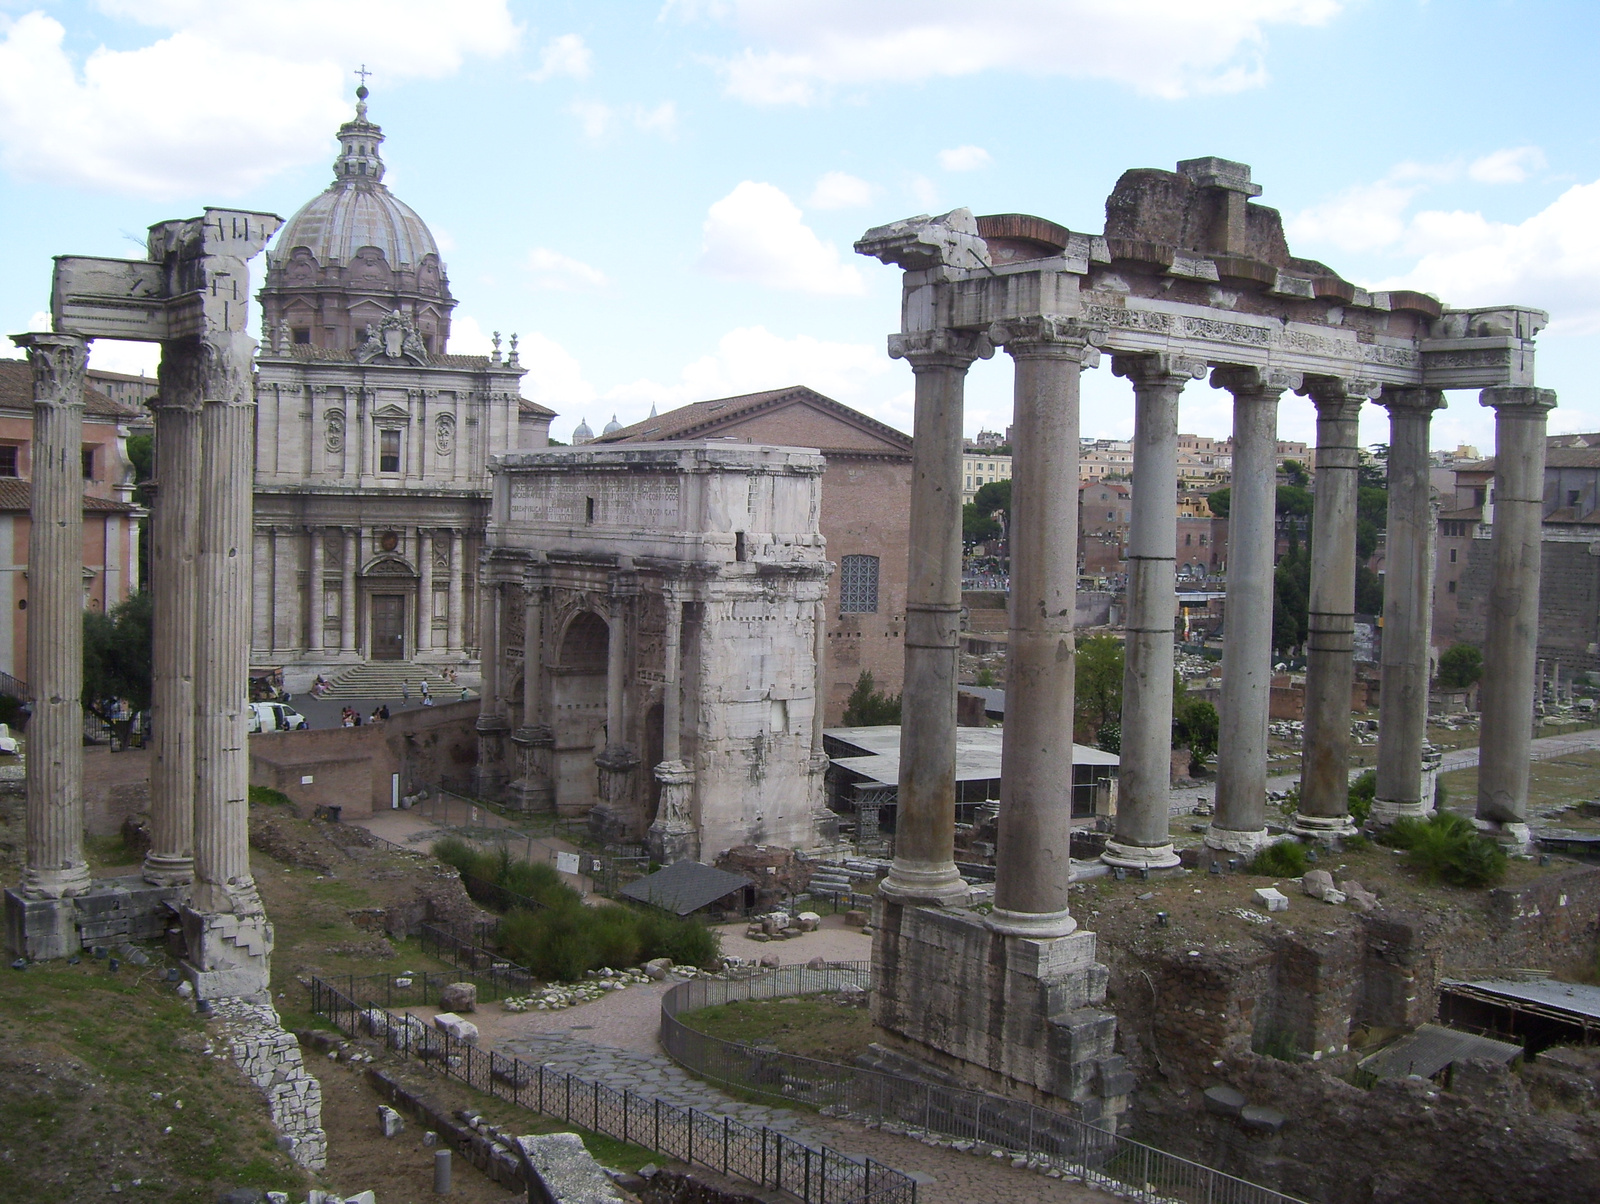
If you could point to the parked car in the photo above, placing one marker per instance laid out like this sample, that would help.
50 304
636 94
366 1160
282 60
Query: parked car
276 717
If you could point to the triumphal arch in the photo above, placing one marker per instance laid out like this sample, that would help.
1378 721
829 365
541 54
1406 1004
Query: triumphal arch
1190 279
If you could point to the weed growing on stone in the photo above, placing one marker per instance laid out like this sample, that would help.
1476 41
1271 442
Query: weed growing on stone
1285 859
1447 848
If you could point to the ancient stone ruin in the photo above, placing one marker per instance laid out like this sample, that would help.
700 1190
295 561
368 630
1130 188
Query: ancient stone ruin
1189 278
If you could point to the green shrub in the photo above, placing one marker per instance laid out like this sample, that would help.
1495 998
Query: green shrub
1447 848
684 939
1362 791
564 941
1285 859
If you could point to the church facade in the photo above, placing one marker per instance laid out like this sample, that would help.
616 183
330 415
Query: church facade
372 442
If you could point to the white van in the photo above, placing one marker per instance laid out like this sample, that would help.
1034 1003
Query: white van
276 717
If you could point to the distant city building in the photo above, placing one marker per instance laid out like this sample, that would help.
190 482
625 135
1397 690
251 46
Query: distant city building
986 441
979 469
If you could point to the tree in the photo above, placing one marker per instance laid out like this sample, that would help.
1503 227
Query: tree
1195 724
993 497
1291 595
977 527
1098 683
1460 666
117 661
1219 500
867 708
1295 473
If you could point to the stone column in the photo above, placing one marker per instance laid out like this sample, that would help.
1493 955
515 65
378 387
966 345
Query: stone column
672 831
1331 623
1144 787
534 790
347 600
1407 607
56 867
1033 863
489 775
1240 824
1511 630
458 553
174 547
924 869
424 590
314 594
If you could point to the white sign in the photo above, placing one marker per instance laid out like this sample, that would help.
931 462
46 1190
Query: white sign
566 863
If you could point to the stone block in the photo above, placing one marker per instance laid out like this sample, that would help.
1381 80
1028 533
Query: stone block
656 968
1261 1118
40 929
1272 899
459 997
569 1170
454 1026
1224 1101
808 921
855 919
390 1122
1317 884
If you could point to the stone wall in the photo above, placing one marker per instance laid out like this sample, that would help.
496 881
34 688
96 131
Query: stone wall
352 766
270 1057
1569 602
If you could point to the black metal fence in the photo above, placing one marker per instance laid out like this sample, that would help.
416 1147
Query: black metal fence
1049 1139
765 1157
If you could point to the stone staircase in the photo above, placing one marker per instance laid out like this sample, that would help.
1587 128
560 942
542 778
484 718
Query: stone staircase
383 679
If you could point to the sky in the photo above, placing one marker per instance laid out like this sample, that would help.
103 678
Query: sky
660 198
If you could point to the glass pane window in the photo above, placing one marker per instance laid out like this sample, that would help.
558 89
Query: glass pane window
8 461
858 585
388 451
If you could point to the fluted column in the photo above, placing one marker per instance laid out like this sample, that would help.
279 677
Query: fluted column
671 836
174 549
314 594
424 590
56 867
1240 823
223 882
458 554
1511 629
534 790
1144 788
1407 606
924 869
1033 864
491 644
347 592
1331 620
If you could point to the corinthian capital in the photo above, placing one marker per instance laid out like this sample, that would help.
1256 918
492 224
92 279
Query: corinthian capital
940 348
1419 401
1047 334
58 361
1250 379
1517 397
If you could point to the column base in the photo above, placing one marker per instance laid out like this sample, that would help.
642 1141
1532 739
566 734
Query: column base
56 883
40 929
1228 840
1038 926
168 871
1515 838
1140 857
229 953
1385 811
671 843
1322 827
913 882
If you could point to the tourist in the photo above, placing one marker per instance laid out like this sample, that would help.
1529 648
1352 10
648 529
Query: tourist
424 691
405 691
383 711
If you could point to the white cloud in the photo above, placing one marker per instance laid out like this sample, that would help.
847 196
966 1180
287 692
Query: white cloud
757 234
128 121
964 158
564 56
598 119
1510 166
799 50
926 192
557 272
840 190
554 379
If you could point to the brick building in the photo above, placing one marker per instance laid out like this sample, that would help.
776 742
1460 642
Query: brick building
1569 595
866 498
110 519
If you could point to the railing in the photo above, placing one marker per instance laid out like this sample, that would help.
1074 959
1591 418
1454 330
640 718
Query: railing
422 989
469 952
1047 1138
765 1157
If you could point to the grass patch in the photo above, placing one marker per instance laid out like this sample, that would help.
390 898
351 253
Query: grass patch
1445 847
812 1026
1285 859
265 796
110 852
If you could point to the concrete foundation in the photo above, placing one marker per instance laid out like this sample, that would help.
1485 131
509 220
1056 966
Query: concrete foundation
1009 1014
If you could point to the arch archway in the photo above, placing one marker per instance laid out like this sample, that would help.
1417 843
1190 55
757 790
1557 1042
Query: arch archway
578 709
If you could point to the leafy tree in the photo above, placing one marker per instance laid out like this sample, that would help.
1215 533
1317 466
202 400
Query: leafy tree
1195 724
1219 500
1098 682
1373 470
867 708
1369 592
1372 516
1291 595
117 660
1460 666
1295 473
976 527
1294 501
994 497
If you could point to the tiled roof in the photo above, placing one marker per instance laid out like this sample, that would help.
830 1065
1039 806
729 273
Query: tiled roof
16 393
687 422
17 494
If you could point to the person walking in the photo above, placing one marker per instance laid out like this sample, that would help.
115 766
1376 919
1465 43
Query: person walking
405 691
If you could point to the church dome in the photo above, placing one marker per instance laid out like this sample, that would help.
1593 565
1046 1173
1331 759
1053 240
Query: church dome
581 433
357 210
613 426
